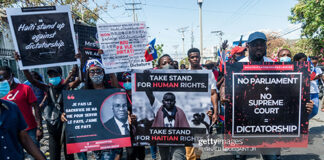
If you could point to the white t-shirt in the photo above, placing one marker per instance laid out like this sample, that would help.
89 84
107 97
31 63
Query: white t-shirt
212 79
314 83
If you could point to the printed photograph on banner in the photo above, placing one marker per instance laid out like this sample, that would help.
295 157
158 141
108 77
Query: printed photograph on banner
123 45
170 106
97 122
43 36
267 106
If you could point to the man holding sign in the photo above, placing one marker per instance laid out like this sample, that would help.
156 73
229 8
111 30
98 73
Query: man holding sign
262 120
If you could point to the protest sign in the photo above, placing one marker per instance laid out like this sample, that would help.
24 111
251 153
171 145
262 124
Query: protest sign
43 36
171 105
97 120
87 40
267 104
88 44
123 45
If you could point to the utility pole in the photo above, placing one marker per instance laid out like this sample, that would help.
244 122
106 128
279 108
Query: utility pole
183 30
133 9
192 37
200 2
219 34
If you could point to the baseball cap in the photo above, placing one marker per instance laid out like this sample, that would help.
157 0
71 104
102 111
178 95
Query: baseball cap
255 36
54 69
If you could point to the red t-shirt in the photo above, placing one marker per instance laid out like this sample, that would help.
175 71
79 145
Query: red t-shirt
24 96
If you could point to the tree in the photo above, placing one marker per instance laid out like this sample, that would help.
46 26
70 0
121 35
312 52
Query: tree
274 44
310 13
80 9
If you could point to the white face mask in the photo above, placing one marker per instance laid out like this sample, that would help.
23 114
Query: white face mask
285 59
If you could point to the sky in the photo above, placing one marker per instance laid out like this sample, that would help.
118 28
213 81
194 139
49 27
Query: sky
233 17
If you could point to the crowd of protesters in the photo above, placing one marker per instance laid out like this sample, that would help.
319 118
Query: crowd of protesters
21 105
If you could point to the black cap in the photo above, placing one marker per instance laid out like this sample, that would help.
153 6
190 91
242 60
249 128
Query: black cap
54 69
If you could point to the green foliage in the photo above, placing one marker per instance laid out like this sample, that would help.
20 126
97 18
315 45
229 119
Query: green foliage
310 13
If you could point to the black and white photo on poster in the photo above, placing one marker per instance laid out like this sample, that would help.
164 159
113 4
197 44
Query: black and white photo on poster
43 36
170 105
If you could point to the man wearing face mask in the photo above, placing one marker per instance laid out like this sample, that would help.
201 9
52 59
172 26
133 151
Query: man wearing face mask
238 53
53 110
25 99
284 55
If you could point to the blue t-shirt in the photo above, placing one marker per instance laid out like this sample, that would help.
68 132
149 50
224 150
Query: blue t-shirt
11 123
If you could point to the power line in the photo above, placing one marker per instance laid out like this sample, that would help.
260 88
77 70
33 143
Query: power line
133 9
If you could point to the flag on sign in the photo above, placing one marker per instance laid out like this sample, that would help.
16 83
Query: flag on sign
150 52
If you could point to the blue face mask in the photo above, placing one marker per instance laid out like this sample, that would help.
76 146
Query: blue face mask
4 88
55 81
127 85
285 59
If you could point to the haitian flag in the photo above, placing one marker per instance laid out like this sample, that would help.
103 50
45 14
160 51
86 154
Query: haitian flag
313 69
150 52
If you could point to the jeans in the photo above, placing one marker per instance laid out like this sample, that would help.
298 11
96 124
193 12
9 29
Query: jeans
32 134
153 150
108 154
174 153
315 99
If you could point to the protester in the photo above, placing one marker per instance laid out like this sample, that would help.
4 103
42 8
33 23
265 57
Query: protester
284 55
176 64
194 60
300 57
97 79
183 66
40 95
25 99
314 88
238 53
13 135
134 151
257 48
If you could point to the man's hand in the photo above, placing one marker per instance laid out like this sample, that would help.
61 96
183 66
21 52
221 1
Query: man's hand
100 51
63 118
39 134
78 55
224 45
16 56
132 119
214 118
210 114
309 107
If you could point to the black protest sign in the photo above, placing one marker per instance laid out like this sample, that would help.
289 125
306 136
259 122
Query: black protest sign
267 104
97 120
43 38
87 41
170 106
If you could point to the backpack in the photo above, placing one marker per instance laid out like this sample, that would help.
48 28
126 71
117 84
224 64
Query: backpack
52 111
